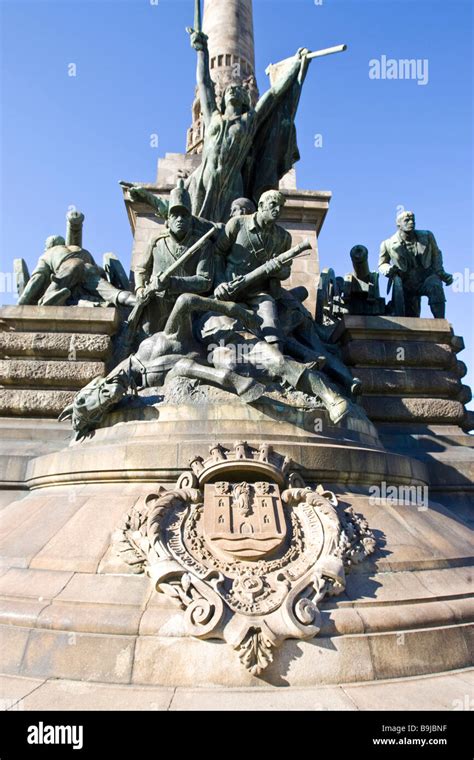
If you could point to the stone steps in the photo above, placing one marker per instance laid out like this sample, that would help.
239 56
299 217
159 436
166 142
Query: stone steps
44 345
55 375
447 691
20 402
47 354
59 319
406 381
409 368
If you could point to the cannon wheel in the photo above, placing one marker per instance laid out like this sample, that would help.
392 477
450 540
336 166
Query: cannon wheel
328 289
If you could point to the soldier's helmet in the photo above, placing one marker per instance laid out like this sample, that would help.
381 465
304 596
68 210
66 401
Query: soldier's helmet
180 198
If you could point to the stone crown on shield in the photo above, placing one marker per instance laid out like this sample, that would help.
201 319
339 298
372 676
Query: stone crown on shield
242 458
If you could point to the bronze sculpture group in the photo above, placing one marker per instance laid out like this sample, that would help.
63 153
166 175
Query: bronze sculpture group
210 302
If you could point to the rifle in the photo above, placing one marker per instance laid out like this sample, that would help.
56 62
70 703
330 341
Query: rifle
151 290
244 282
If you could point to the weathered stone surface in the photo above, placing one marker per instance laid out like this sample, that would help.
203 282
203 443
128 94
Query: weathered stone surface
14 640
13 689
82 542
78 656
449 691
415 585
104 606
169 168
324 698
106 619
413 409
29 403
452 470
404 617
21 612
395 655
408 368
7 495
103 589
57 374
60 319
79 695
46 345
28 536
438 383
353 327
458 344
443 692
33 583
109 458
20 441
164 661
399 354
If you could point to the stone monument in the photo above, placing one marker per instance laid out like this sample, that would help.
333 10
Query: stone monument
250 494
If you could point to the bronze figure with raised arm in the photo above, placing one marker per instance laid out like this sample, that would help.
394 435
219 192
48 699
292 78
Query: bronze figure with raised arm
231 133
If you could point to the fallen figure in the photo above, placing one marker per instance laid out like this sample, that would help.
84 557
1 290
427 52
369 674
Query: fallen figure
173 352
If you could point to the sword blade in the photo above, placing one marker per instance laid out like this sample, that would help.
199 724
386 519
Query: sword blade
197 16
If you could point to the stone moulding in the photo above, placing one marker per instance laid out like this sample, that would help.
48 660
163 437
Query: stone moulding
248 563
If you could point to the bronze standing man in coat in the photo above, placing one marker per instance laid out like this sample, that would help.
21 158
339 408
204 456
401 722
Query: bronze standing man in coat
413 261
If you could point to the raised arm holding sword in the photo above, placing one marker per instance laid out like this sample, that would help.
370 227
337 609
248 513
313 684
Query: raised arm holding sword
246 149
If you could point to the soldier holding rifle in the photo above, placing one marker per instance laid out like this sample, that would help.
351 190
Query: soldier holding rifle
250 242
177 260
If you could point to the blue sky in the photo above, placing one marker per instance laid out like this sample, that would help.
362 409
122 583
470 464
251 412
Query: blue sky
385 143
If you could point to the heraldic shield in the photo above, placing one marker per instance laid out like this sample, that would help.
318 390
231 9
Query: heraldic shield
244 520
245 561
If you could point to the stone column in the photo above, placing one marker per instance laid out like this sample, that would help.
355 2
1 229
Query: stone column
229 26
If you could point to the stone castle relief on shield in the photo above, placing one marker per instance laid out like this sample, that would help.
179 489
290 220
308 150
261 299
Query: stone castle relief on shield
248 561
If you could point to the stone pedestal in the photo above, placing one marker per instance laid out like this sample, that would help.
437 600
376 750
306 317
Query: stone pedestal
413 392
72 609
46 355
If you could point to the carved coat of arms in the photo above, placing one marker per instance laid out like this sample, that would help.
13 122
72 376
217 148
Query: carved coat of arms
247 549
244 520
